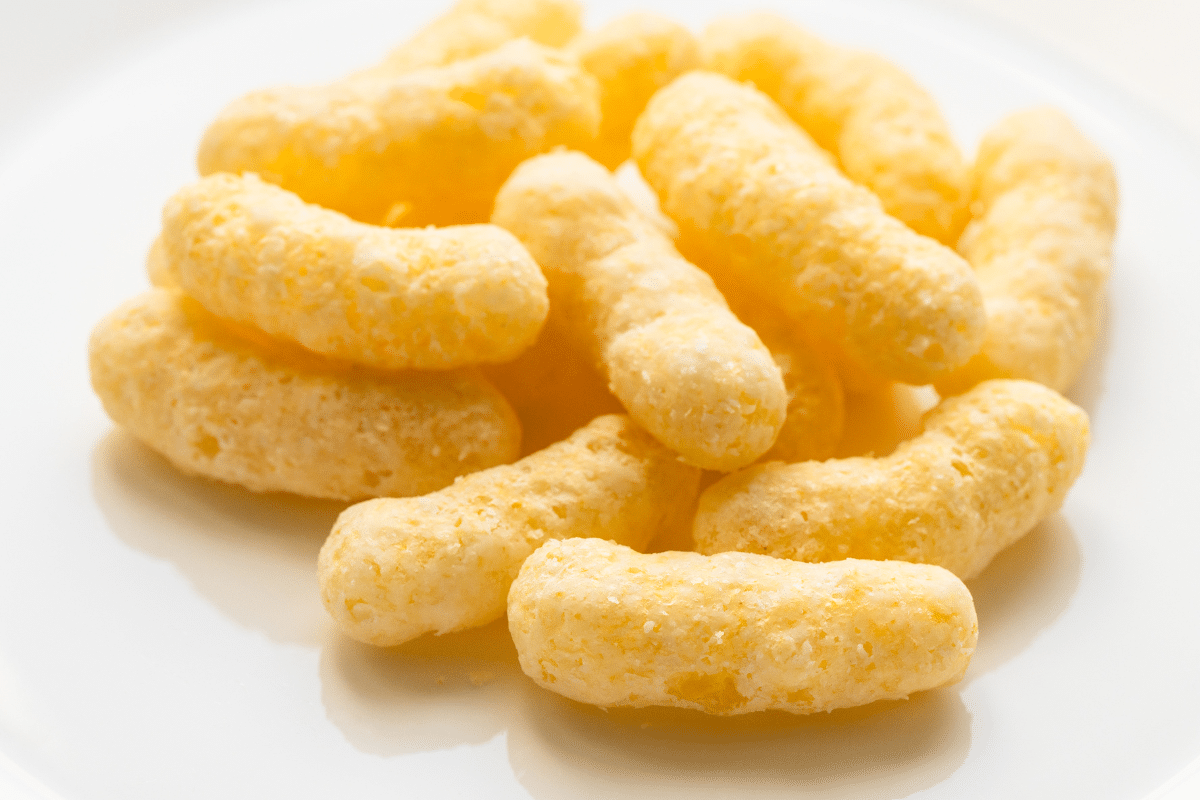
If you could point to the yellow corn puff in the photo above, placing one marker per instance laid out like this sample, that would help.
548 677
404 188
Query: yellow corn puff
473 27
755 199
273 418
418 298
1041 245
158 266
680 362
736 632
990 465
632 57
393 569
886 131
436 142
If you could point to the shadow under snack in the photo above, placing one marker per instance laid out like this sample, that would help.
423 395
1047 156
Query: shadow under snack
253 556
882 751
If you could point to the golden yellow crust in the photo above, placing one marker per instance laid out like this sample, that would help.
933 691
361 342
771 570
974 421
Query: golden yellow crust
735 633
991 464
632 57
680 362
1041 242
755 199
392 570
273 418
886 131
436 142
423 298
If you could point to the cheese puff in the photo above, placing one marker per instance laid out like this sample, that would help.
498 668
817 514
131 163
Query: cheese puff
632 57
1041 245
886 131
273 418
755 199
437 142
735 633
473 27
989 466
418 298
394 569
680 362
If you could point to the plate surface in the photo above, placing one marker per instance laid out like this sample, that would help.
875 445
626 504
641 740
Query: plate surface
162 636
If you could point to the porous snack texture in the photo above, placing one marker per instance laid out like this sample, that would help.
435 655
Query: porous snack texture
735 633
273 418
989 466
632 57
1041 245
755 198
419 298
425 147
886 131
679 361
393 569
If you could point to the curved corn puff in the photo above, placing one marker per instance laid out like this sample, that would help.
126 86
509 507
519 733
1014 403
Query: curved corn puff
473 27
424 298
735 633
437 142
272 418
991 464
632 57
392 569
886 131
158 266
755 199
1041 245
680 362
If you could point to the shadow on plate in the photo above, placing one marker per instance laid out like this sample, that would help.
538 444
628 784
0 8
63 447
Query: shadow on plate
253 556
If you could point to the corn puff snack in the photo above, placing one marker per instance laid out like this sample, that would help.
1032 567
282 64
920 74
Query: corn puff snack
394 569
632 57
990 465
272 418
473 27
1041 246
425 147
158 266
756 200
680 362
735 633
886 131
417 298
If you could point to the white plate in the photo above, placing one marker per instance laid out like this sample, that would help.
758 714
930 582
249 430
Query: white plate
161 637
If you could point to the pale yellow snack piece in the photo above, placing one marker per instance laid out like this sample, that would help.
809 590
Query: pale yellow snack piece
757 203
632 57
886 131
158 266
417 298
990 465
394 569
1041 245
435 142
273 418
735 633
680 362
473 27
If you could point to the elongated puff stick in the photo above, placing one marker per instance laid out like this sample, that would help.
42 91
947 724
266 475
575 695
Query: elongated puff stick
392 570
679 361
886 131
632 57
473 27
735 633
1041 245
425 147
990 465
418 298
754 197
273 418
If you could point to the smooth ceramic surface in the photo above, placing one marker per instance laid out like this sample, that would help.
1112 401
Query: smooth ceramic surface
162 636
